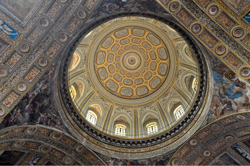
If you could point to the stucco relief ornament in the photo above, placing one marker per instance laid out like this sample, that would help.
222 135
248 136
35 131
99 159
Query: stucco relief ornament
63 37
229 138
19 143
124 110
238 32
31 130
193 142
173 7
206 153
150 108
43 62
81 13
22 86
45 148
44 22
220 50
3 72
196 28
1 112
24 47
213 10
245 72
68 160
100 100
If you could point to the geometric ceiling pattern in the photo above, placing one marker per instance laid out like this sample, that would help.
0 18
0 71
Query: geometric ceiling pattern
220 26
45 146
27 52
223 142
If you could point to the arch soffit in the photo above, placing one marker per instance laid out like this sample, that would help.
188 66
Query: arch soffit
52 144
224 134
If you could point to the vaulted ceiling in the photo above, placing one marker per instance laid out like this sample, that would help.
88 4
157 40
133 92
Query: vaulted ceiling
35 36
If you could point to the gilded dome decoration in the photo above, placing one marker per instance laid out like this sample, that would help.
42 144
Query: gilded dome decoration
131 62
142 77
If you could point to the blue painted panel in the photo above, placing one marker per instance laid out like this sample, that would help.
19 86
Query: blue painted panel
247 17
8 30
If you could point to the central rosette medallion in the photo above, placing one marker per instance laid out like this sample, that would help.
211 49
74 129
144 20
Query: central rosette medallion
128 63
131 61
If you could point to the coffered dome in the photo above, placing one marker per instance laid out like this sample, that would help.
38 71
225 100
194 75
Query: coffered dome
134 78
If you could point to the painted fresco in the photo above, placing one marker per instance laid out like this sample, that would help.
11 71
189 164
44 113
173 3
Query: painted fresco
230 94
8 30
36 107
11 157
242 152
35 159
112 6
247 17
20 8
